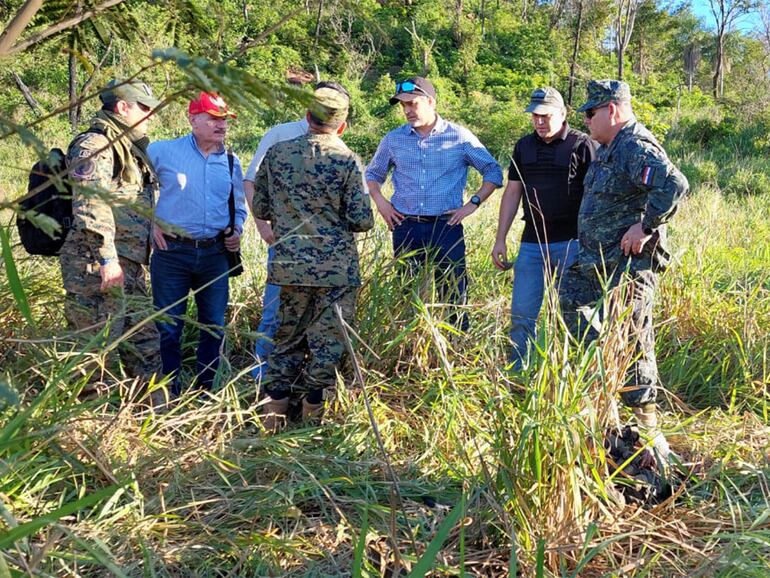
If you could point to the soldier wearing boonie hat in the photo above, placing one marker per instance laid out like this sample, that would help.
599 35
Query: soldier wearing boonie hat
311 190
196 225
631 192
546 177
104 255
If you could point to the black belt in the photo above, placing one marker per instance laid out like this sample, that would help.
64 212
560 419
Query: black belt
426 218
197 243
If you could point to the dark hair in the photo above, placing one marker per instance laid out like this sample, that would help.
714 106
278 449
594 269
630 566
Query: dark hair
111 106
320 123
333 85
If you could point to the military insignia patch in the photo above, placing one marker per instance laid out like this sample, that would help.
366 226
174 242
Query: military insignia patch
85 169
648 173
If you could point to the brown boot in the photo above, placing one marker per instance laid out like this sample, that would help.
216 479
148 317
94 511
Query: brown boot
647 420
274 414
312 412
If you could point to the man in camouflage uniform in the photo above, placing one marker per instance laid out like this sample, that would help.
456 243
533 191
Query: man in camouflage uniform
103 257
311 189
630 192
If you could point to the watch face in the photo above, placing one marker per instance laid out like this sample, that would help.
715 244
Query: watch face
476 200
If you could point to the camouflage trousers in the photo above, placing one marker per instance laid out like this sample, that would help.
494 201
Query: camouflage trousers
88 310
581 288
309 344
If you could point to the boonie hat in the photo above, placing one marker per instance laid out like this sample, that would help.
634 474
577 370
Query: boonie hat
131 91
545 100
411 88
210 103
601 92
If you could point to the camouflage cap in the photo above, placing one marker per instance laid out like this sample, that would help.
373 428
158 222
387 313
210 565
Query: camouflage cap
330 105
545 100
601 92
131 91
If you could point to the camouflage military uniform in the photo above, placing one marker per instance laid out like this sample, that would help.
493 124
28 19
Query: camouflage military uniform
311 189
631 181
113 194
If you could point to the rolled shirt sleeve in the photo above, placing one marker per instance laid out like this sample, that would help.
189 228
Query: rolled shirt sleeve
477 156
381 162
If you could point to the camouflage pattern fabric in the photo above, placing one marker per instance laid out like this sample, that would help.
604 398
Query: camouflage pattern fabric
112 211
312 191
89 312
581 289
631 181
310 344
112 215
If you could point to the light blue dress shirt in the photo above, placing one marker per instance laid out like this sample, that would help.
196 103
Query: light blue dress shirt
194 189
430 173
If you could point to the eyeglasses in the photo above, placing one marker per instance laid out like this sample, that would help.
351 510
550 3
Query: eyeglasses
408 86
591 112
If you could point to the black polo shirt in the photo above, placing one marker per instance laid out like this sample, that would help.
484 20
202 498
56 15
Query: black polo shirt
552 174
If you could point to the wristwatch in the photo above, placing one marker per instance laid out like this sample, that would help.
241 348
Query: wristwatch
476 200
647 230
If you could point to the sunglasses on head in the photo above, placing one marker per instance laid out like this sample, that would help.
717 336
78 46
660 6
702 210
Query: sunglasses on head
408 86
591 112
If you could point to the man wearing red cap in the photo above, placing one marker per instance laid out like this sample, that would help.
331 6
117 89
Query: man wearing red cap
197 178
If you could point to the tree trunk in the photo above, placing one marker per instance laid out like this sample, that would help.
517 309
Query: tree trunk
719 72
318 23
33 104
575 48
620 62
72 66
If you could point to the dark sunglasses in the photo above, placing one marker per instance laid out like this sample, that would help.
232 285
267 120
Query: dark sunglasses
408 86
591 112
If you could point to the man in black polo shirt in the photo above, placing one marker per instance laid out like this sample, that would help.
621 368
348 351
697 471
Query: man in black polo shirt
547 171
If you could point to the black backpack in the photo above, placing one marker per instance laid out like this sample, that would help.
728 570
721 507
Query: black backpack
50 198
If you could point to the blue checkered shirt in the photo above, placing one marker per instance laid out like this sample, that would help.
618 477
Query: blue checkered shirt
430 173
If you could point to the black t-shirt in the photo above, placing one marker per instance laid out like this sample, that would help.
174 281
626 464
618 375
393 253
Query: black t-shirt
552 174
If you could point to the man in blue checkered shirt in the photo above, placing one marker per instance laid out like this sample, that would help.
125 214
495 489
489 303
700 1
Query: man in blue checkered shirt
430 157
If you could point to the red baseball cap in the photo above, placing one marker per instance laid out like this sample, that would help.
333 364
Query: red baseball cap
210 103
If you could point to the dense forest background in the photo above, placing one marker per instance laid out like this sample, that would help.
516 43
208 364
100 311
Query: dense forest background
433 461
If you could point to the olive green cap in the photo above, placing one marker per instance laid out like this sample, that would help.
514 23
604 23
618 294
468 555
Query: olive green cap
601 92
131 91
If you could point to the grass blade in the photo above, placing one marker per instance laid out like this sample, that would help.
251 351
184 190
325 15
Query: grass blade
13 277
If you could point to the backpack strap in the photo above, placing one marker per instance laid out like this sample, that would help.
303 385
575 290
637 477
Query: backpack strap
231 199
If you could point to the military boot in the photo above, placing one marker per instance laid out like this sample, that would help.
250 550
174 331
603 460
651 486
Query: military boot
647 420
312 412
274 414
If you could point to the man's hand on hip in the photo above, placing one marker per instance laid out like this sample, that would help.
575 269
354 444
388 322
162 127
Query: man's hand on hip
459 214
389 213
634 240
112 275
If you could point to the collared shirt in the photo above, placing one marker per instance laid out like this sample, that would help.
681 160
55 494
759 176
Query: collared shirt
430 173
194 189
279 133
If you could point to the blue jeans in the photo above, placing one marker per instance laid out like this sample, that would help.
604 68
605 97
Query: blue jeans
529 288
271 302
174 272
443 245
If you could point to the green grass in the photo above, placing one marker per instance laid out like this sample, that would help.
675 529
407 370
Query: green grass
479 473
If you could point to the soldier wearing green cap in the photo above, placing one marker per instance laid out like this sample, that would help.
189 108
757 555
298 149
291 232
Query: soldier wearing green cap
630 193
103 257
311 189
